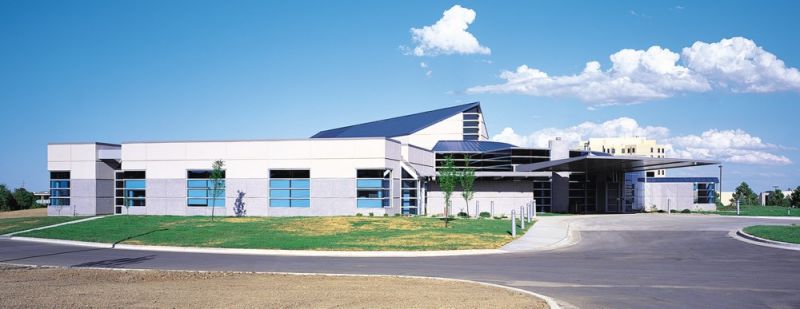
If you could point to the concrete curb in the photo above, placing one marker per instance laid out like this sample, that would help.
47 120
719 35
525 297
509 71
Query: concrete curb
741 235
54 225
551 302
273 252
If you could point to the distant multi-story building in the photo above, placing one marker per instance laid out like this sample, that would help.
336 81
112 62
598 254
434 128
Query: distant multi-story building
628 146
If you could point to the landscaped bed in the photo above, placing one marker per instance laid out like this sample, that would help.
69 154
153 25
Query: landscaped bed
11 225
784 233
296 233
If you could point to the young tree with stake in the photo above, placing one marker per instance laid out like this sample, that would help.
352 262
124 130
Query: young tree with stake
467 181
447 179
217 185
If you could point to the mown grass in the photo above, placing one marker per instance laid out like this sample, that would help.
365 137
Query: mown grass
754 210
294 233
11 225
784 233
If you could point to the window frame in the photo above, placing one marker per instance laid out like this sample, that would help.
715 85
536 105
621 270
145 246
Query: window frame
290 199
208 188
384 191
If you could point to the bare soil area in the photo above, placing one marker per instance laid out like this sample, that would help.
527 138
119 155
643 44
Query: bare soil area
36 212
27 287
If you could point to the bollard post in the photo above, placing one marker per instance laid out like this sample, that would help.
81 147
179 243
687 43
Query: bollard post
530 213
491 208
522 216
534 209
513 224
477 209
737 206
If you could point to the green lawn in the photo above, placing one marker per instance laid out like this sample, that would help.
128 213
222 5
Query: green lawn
784 233
306 233
759 211
10 225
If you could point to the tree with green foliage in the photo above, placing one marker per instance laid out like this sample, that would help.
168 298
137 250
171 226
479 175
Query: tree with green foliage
777 198
24 198
447 178
794 198
7 201
217 185
744 194
467 180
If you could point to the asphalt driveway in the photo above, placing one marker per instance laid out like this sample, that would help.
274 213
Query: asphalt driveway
621 261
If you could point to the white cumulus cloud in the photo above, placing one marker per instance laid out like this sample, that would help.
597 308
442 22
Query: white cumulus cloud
741 65
657 73
448 35
735 146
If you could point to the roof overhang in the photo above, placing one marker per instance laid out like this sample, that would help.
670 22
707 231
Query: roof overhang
611 163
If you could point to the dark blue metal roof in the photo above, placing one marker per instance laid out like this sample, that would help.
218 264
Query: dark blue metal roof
398 126
470 146
681 179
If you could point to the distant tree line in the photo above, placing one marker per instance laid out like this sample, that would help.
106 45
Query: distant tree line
746 196
17 199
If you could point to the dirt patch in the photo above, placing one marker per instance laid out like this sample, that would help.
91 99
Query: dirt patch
36 212
24 287
318 226
435 240
241 220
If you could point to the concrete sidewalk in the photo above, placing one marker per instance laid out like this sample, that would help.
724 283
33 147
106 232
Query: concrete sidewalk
51 226
548 233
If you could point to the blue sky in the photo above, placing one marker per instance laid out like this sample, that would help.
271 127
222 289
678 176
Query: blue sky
118 71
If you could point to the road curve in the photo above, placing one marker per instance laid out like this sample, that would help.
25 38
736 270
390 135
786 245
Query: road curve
622 261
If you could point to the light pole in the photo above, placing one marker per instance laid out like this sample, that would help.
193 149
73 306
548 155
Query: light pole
720 184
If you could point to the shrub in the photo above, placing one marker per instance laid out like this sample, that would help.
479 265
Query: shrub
485 214
463 215
371 214
397 215
673 211
359 215
385 215
686 211
661 211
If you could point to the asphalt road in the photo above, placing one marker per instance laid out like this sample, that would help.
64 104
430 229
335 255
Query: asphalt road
622 261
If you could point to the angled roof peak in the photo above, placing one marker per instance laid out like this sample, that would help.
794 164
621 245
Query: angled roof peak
397 126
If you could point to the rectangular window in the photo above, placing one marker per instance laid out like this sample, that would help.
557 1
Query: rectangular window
373 188
409 196
59 188
129 188
201 191
704 193
289 188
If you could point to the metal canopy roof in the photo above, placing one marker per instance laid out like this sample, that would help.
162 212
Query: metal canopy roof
470 146
603 163
398 126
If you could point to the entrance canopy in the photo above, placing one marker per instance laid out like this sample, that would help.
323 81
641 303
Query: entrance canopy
591 162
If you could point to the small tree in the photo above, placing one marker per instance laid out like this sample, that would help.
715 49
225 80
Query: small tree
745 194
775 198
467 180
794 198
447 179
217 177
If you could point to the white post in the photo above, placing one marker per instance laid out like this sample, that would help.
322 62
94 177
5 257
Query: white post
491 208
477 209
737 206
513 224
534 209
668 210
522 216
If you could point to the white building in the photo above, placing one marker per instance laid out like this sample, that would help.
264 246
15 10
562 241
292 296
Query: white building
381 167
